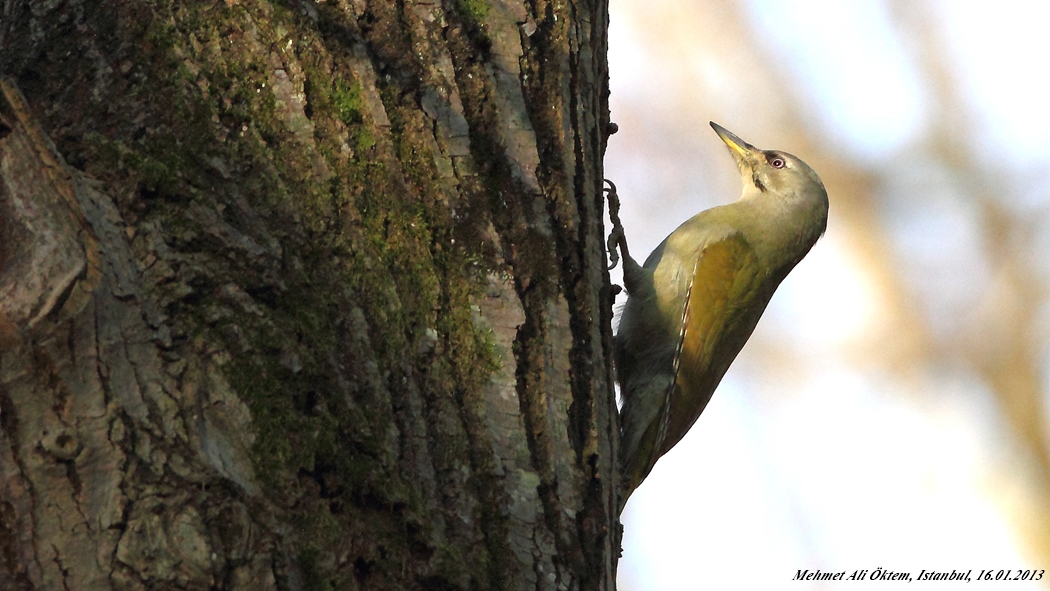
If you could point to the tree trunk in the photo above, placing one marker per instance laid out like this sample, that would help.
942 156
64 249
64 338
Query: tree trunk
305 296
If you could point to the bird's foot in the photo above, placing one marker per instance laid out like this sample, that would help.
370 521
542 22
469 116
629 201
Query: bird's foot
617 238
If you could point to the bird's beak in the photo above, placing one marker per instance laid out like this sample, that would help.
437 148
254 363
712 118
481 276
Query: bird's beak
742 151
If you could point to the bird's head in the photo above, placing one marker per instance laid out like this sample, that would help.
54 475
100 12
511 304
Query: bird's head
771 171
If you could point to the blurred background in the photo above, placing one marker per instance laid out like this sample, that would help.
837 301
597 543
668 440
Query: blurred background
890 411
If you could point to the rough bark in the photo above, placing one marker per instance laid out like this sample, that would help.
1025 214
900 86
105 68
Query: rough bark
304 296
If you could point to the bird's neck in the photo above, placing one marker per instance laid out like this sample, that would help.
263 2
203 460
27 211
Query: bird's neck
782 227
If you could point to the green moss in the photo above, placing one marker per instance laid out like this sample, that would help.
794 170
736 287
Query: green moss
348 102
155 174
474 11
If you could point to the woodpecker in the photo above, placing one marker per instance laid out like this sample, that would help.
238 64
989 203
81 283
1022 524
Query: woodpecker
699 295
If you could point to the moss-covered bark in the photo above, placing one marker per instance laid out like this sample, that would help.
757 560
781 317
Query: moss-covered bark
331 309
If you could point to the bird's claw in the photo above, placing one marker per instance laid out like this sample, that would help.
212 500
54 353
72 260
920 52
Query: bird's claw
617 237
610 245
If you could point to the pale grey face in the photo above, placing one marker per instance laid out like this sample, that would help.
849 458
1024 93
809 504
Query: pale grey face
772 171
779 172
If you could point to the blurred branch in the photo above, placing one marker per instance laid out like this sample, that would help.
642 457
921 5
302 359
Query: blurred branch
1001 339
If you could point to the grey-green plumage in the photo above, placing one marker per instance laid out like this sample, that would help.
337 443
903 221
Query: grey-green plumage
699 295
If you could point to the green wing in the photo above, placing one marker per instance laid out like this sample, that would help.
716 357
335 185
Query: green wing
722 305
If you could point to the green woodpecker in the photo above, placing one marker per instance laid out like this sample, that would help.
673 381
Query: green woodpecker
697 299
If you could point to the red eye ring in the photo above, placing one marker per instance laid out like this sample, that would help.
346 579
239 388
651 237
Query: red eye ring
777 163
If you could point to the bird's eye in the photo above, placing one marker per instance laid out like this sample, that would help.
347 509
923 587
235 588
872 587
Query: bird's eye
777 163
